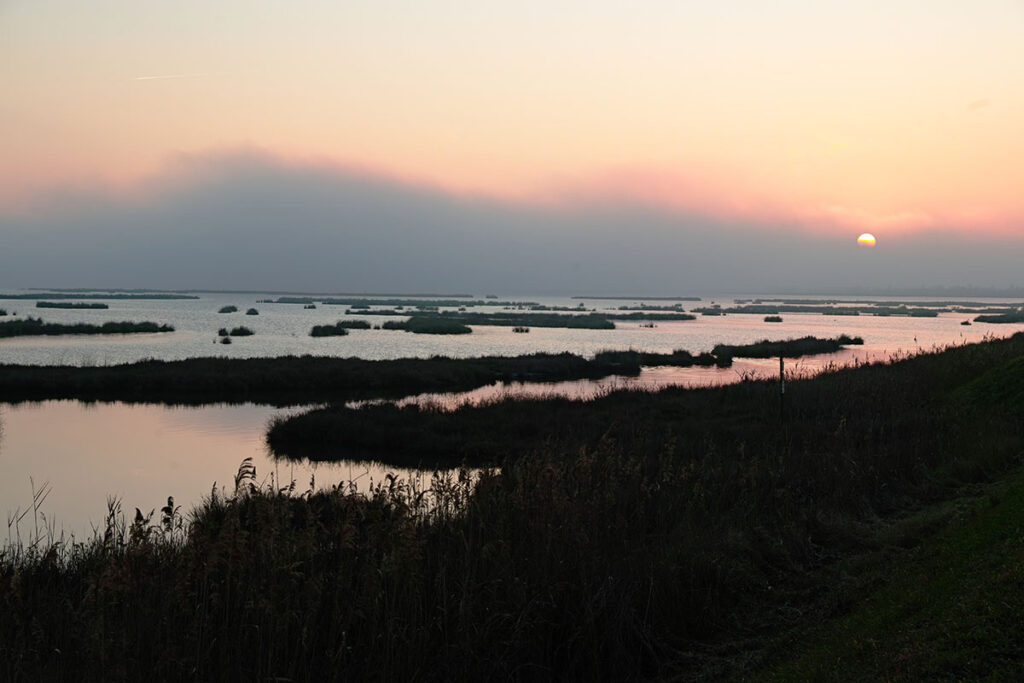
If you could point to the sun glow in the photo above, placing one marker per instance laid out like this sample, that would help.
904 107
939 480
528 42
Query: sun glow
866 240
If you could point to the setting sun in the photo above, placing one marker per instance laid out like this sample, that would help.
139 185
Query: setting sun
866 240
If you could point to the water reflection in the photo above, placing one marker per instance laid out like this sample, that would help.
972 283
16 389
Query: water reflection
142 454
651 379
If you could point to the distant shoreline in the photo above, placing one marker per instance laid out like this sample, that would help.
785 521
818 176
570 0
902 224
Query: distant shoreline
116 290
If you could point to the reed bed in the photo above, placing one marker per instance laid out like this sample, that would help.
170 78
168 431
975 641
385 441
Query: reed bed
30 327
73 305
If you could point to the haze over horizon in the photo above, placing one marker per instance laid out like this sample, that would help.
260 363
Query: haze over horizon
611 148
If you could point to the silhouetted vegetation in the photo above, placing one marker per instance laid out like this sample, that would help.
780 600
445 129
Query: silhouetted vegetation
1000 318
338 329
545 307
228 309
309 306
671 535
679 359
3 312
773 319
363 302
235 332
521 330
290 300
225 339
824 309
291 380
36 327
423 303
378 311
790 348
418 324
89 294
76 305
640 298
648 307
592 321
649 316
954 304
252 311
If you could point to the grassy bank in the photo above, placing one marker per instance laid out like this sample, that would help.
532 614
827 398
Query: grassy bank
669 536
942 607
36 327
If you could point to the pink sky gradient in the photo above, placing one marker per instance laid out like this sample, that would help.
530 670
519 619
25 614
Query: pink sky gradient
892 117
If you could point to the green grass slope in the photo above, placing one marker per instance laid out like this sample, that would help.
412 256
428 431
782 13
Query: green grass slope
951 608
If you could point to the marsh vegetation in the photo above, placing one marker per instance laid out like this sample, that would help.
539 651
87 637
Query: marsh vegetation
292 380
74 305
421 324
36 327
823 309
591 321
1001 318
338 329
104 294
412 302
789 348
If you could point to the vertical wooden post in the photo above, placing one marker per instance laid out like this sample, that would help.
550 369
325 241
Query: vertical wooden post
782 389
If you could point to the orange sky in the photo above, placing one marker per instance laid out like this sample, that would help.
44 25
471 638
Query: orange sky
890 117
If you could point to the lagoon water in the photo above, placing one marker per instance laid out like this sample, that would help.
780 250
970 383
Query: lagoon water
141 454
283 329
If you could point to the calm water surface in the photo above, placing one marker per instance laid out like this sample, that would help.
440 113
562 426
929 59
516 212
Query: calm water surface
283 329
141 454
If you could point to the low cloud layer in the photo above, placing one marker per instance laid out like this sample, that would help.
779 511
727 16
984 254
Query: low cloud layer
247 221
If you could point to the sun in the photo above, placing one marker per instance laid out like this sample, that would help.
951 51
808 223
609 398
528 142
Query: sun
866 240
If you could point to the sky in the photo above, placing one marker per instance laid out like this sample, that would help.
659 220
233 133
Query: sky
528 146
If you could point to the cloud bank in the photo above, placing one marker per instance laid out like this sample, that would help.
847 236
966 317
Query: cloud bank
246 220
